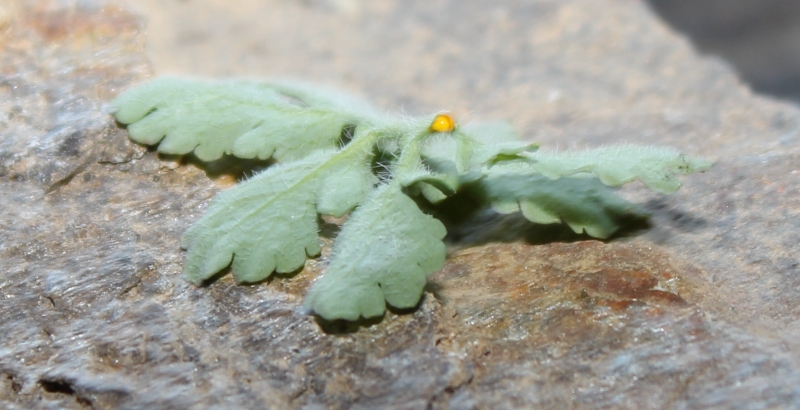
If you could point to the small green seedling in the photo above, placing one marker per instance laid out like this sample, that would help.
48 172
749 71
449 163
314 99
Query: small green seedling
337 156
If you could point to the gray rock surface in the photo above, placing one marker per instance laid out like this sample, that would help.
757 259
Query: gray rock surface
700 309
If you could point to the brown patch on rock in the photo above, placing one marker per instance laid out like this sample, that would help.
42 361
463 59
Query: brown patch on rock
561 291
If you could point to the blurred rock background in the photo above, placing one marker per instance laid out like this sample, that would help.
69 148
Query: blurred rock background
761 38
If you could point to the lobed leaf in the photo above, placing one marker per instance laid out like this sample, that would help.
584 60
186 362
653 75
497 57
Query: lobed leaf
420 179
269 223
655 167
471 146
584 204
243 118
383 254
449 160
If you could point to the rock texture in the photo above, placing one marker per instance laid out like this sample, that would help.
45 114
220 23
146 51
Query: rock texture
700 309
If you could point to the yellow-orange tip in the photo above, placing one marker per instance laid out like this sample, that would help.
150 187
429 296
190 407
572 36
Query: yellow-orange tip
443 123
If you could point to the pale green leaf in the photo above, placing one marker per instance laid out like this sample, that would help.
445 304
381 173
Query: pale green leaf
243 118
655 167
383 254
481 143
269 223
471 146
584 204
388 246
419 179
451 159
534 188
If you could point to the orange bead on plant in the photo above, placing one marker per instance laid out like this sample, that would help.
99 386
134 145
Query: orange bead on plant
443 123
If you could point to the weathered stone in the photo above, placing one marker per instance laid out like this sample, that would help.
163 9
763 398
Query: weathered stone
699 309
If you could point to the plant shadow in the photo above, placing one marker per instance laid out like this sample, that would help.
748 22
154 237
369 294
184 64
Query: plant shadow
470 223
227 165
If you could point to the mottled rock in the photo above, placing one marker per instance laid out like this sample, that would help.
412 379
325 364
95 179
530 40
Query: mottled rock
698 309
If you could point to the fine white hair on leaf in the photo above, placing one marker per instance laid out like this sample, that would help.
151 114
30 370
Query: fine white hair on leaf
376 175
